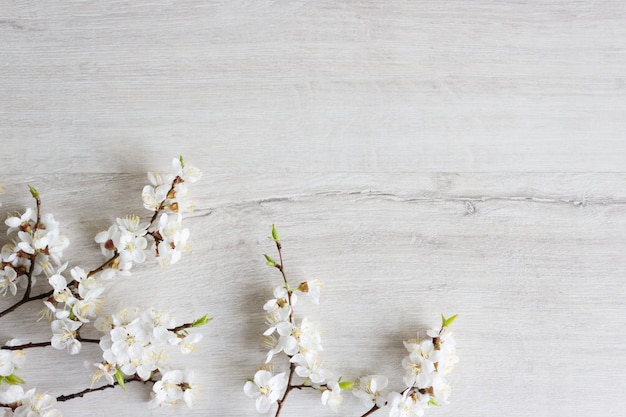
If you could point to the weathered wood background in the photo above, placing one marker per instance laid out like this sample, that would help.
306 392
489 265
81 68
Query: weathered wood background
419 157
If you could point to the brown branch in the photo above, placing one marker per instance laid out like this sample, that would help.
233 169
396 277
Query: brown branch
175 182
29 285
181 327
101 267
27 346
292 366
281 402
45 344
371 411
62 398
48 294
14 306
87 340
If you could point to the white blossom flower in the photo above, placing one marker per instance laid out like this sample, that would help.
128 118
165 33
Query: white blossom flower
312 289
286 341
173 387
156 193
308 336
441 390
407 405
6 412
137 341
16 342
278 310
173 239
9 361
189 343
445 354
125 345
8 280
46 243
419 365
89 304
266 389
368 390
102 369
153 359
64 335
188 173
132 224
332 396
309 365
61 293
37 405
280 300
22 223
106 240
11 394
130 248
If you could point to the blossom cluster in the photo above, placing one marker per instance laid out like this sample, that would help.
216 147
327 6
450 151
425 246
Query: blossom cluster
426 367
135 342
301 342
27 403
36 248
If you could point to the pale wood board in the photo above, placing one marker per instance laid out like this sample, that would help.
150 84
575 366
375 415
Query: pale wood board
418 157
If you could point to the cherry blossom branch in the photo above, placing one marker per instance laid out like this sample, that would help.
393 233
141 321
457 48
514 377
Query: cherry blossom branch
29 285
27 298
124 244
292 366
45 344
101 267
80 394
26 346
170 194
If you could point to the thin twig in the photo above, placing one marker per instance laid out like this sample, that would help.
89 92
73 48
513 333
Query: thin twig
371 411
292 366
45 344
26 346
101 267
48 294
62 398
29 284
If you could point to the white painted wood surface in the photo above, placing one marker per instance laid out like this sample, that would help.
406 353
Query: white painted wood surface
419 157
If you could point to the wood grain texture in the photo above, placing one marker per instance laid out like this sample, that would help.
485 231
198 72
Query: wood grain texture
420 158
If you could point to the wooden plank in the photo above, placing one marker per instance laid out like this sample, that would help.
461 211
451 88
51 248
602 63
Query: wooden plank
368 86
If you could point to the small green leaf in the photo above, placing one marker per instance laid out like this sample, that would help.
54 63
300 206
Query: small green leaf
33 191
119 377
182 161
270 261
14 380
432 401
347 385
202 321
249 379
275 236
449 321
